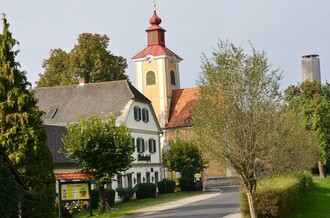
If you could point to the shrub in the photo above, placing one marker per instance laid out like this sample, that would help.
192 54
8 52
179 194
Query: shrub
109 196
274 197
125 194
11 193
186 184
305 181
170 186
145 190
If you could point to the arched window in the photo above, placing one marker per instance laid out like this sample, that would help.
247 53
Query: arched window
151 78
172 78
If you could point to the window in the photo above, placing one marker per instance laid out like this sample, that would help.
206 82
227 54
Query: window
129 180
133 142
152 145
138 177
172 78
145 115
119 181
151 78
140 145
156 177
148 177
137 113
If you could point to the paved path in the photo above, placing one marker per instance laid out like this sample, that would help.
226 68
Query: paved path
208 205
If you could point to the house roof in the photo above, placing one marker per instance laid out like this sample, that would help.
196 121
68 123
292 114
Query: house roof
64 104
156 50
55 145
73 176
182 102
18 178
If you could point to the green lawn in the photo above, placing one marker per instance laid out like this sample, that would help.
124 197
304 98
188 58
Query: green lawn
316 202
129 208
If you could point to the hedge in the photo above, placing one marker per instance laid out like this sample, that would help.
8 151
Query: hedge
109 195
187 184
145 190
125 194
276 197
170 186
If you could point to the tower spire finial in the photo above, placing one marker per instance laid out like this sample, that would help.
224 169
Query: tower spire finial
154 5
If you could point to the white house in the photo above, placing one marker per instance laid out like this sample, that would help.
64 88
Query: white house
64 104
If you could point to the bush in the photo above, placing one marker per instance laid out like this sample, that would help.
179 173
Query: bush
274 197
170 186
186 184
109 196
125 194
305 181
145 190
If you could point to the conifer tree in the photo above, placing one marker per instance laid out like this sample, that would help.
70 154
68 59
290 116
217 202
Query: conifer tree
22 136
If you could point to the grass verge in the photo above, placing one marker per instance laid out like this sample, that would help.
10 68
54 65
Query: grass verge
315 203
131 207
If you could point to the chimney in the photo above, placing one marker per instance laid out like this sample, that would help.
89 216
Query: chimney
311 68
81 82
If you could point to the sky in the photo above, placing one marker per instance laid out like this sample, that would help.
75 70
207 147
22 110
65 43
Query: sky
284 29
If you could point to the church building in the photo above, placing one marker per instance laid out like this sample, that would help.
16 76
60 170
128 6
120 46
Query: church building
158 78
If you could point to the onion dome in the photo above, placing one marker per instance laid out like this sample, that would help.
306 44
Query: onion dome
155 20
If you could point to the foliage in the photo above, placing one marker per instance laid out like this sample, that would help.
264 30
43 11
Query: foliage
186 184
89 59
236 117
170 186
276 197
21 134
125 194
101 147
110 195
311 101
11 193
290 140
145 190
185 154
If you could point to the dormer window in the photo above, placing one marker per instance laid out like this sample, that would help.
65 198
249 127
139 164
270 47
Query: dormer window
51 113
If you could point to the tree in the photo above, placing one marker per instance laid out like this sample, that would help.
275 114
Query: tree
236 116
22 136
101 147
184 154
11 193
89 59
311 101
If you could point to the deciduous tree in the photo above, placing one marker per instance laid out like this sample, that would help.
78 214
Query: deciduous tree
21 134
89 59
101 147
185 154
311 101
236 116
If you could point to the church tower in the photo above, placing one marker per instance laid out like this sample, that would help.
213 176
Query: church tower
157 70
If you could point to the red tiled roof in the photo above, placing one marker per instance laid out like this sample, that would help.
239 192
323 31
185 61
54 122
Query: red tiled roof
182 102
73 176
155 50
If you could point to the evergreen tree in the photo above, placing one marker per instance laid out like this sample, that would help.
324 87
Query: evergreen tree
21 134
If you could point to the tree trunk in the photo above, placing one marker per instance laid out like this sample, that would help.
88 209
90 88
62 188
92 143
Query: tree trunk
252 206
102 199
321 170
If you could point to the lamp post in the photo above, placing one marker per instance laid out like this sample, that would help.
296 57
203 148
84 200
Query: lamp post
166 148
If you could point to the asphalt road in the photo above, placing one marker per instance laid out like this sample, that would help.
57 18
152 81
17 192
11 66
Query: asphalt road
214 207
